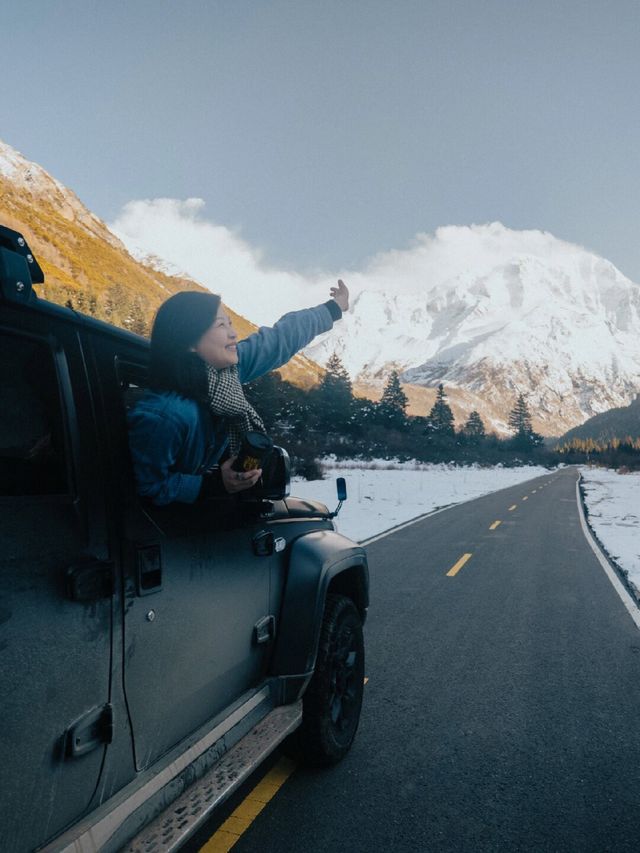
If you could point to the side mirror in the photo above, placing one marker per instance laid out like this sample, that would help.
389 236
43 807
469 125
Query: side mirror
341 488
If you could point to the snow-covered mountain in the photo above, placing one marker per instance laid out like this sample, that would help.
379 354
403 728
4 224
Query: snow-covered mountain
488 311
492 312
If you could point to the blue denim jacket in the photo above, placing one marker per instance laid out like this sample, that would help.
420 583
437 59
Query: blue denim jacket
174 439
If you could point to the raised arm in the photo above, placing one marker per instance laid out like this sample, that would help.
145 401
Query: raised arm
269 348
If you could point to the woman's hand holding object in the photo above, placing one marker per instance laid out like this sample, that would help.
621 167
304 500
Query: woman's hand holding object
238 481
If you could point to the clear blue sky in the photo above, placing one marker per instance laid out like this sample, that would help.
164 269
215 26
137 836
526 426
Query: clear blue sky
328 131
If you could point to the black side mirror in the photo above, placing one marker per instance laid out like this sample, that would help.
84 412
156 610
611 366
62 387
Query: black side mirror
341 488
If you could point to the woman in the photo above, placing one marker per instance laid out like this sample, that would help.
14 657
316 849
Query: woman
196 408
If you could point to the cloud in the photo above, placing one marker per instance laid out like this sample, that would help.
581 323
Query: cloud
215 256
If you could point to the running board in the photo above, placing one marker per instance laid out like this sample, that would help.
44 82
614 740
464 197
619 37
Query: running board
186 814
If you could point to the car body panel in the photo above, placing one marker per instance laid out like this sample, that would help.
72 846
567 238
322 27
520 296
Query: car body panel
138 644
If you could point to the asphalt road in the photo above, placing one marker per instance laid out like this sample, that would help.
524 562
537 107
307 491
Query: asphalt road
502 711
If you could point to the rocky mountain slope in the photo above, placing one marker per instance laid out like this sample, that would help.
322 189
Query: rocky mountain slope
85 264
619 423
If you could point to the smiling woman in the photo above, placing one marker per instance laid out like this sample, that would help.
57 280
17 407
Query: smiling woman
218 345
186 431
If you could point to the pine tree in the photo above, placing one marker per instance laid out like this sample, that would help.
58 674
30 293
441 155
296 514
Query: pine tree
474 428
525 437
334 396
520 418
440 418
136 321
392 407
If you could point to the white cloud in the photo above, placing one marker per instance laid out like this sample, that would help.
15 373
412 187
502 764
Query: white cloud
216 257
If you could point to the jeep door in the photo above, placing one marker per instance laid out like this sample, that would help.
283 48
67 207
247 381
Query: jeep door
196 623
55 583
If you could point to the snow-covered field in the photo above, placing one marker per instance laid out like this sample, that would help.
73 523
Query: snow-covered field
389 494
613 501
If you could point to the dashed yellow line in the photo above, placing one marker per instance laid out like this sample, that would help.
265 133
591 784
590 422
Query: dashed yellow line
534 491
495 524
237 823
453 571
511 508
525 498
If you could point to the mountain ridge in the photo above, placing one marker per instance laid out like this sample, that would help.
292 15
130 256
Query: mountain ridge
87 266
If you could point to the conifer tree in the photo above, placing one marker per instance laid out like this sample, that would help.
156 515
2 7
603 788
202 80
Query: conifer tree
393 405
334 396
520 418
520 422
440 418
136 321
474 427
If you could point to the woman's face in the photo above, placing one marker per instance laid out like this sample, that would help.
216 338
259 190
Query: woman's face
218 344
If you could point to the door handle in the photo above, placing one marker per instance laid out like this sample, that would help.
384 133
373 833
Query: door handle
148 569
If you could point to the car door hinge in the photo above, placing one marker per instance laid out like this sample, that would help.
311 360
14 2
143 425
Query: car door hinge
265 543
265 630
92 730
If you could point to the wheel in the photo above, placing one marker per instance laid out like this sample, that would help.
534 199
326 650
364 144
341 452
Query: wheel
332 702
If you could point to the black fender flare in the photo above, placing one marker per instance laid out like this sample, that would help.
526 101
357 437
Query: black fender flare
317 559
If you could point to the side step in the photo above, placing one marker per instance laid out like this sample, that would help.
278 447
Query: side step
186 814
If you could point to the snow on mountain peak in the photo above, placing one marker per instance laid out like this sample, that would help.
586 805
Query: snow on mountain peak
29 178
485 306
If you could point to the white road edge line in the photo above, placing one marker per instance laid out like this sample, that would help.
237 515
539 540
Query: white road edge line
409 523
617 584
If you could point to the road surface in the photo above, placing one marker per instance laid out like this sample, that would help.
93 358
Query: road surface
502 708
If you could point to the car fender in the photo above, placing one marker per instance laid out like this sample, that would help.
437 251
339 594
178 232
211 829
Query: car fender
319 561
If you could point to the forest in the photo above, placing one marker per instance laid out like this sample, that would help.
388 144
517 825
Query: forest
329 419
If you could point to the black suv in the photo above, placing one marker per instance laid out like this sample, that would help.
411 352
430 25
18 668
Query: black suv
151 656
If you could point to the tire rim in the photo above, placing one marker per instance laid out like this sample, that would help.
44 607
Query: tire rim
344 680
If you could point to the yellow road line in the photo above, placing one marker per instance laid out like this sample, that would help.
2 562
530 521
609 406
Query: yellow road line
495 524
525 498
511 508
453 571
366 678
534 491
237 823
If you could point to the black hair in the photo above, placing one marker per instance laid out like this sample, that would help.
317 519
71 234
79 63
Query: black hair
178 325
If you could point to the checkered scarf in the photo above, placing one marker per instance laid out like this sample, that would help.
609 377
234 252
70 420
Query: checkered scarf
225 398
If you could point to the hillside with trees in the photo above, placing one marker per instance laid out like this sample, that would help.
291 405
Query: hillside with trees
329 419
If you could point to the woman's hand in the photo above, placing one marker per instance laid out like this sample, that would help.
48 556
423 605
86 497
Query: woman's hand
238 481
341 295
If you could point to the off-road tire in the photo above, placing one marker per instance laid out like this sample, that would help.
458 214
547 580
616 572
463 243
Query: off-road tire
333 699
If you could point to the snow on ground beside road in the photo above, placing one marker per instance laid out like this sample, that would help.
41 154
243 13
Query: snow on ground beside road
382 497
379 498
613 501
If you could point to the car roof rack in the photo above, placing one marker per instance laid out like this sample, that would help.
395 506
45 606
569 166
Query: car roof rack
19 270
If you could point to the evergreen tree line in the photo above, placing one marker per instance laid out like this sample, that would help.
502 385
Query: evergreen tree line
619 453
329 419
117 306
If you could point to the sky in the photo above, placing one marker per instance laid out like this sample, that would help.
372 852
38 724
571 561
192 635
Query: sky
322 134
